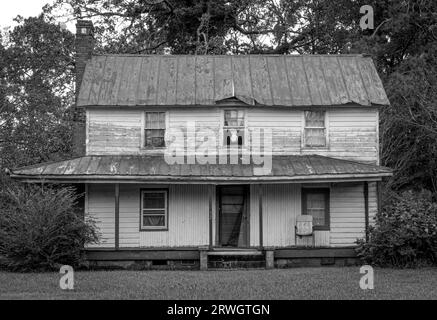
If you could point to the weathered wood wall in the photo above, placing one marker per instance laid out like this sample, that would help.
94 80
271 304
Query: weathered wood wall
189 215
352 132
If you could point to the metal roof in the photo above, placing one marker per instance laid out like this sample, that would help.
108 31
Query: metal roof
150 168
271 80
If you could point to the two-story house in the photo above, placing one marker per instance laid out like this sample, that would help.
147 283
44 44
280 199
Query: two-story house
192 157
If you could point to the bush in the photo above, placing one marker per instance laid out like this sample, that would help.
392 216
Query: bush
40 228
405 233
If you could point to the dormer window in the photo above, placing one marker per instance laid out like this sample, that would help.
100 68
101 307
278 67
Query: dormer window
233 127
154 130
315 129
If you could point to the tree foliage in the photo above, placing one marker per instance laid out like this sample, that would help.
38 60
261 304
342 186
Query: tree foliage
37 69
36 74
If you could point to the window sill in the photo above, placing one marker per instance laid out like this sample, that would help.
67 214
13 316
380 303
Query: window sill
153 230
315 148
321 228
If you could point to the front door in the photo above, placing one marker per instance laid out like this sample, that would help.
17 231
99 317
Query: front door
233 216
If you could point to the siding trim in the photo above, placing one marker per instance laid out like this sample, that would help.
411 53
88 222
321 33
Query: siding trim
366 209
117 216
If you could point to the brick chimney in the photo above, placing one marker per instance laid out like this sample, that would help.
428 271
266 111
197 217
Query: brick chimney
84 50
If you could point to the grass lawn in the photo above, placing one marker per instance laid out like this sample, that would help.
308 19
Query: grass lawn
299 283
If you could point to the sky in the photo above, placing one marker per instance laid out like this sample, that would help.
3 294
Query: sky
26 8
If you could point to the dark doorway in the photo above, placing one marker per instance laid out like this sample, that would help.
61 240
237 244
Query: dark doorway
233 216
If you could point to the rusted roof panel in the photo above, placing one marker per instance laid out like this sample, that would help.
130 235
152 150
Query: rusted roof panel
151 167
271 80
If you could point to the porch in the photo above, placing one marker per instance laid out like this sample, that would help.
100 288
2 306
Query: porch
147 210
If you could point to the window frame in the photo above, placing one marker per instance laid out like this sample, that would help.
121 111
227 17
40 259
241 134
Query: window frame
223 128
326 128
143 132
326 192
154 228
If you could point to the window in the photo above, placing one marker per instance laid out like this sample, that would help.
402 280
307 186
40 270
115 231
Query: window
315 202
154 131
233 128
154 210
315 130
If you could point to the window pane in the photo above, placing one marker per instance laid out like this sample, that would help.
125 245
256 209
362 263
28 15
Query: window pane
315 137
154 200
153 221
154 138
315 119
234 118
155 120
316 207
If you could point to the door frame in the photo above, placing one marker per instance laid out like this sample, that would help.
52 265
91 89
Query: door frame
246 214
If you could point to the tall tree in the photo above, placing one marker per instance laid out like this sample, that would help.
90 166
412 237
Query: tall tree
37 67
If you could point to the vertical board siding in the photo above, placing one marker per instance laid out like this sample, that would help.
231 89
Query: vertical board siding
373 202
188 219
347 214
352 132
101 208
281 204
189 215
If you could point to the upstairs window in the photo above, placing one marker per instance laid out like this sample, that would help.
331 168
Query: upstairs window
233 128
154 131
315 129
315 202
154 209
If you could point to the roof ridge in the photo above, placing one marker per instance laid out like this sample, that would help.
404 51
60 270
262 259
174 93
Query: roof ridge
231 55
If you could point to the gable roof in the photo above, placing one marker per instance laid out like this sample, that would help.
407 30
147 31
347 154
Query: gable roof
271 80
155 168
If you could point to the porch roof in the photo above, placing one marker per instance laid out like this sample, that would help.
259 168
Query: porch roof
155 169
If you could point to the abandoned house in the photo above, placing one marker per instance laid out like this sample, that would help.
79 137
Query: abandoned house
291 171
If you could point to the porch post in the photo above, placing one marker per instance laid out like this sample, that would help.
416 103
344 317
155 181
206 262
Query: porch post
366 208
210 190
260 207
117 216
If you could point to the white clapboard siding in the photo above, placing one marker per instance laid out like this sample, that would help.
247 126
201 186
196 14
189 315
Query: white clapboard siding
114 131
347 214
101 209
352 132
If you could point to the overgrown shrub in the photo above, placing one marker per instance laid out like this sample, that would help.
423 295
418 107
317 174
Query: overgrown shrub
41 227
405 233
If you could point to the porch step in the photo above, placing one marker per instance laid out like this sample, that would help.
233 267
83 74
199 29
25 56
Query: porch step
235 252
